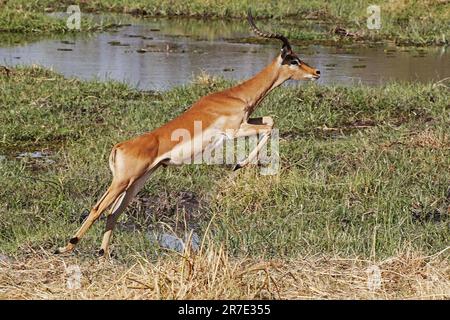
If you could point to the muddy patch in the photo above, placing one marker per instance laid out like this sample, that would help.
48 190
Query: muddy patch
170 220
174 209
180 212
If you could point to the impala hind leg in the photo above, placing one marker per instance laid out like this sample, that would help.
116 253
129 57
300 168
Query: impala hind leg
111 195
118 207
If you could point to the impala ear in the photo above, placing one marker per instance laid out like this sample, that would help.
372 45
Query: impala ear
285 51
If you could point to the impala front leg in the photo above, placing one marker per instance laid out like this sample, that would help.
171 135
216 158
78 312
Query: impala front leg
256 126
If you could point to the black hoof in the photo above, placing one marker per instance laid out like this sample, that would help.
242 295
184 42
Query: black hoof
237 167
101 253
74 240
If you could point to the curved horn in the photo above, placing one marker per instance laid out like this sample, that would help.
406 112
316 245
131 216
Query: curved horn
266 34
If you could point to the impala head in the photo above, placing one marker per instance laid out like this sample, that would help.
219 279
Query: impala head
292 67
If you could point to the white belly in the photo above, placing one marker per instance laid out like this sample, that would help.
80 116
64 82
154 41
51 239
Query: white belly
190 149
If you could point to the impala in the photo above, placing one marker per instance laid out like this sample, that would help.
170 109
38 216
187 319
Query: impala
222 114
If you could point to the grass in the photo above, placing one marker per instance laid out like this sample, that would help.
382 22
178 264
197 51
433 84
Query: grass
405 22
364 177
15 20
213 274
20 21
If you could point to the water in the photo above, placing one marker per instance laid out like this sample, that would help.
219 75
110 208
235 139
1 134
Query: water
156 54
36 155
173 242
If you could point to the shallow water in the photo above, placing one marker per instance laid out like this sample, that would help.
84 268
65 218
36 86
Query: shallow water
156 54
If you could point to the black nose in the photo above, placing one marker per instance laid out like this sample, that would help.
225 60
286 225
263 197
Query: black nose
317 72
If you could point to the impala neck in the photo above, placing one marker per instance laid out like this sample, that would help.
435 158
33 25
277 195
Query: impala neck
255 89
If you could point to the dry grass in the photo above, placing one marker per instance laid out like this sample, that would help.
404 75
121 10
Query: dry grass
429 139
213 274
205 79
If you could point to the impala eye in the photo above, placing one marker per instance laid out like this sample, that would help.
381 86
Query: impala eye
295 62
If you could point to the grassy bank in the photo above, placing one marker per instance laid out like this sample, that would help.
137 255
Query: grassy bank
406 22
17 20
20 21
365 174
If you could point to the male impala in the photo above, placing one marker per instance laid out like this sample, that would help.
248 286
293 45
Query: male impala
220 113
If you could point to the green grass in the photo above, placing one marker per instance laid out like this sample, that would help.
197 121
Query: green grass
16 21
365 171
20 21
406 22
